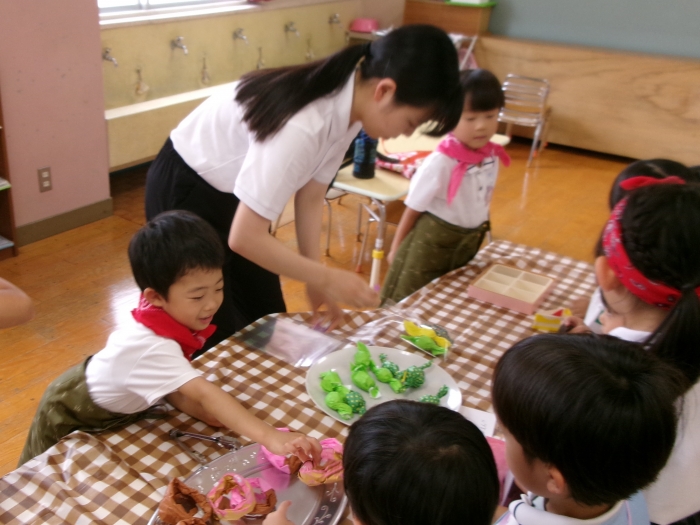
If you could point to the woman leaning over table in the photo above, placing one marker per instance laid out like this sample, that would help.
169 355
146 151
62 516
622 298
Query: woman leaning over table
240 156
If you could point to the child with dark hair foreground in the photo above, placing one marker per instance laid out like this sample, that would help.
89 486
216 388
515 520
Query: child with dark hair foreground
447 207
589 421
176 260
411 463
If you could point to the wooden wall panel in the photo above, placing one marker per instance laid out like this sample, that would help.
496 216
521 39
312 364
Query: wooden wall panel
635 105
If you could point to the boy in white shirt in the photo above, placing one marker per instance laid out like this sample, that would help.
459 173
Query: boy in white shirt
589 421
176 260
447 207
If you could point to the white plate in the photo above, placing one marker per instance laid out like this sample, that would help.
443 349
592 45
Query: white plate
321 505
339 361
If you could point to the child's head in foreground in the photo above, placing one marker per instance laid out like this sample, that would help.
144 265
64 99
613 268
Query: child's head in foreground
483 100
411 463
176 259
587 418
649 267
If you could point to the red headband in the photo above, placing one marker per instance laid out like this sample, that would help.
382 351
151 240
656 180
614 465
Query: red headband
651 292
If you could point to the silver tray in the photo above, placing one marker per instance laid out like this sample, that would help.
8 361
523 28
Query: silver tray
321 505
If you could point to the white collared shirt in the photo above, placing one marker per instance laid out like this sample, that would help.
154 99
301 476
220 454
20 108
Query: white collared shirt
530 510
470 207
215 142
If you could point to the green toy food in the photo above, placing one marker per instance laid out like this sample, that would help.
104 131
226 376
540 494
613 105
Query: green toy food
362 380
414 376
340 398
356 402
336 401
330 381
390 366
435 400
426 343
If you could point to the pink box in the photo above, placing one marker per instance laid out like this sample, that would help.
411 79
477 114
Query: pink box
511 288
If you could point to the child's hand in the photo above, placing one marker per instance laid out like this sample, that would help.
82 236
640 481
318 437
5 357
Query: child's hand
304 447
579 306
574 325
279 517
392 255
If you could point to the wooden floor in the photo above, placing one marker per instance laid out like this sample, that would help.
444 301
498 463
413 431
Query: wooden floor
82 286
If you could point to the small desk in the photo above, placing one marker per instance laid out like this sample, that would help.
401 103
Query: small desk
386 186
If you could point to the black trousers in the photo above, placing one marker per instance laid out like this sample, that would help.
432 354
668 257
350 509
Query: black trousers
250 292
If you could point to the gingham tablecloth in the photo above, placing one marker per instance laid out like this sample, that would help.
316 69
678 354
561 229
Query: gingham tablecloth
120 477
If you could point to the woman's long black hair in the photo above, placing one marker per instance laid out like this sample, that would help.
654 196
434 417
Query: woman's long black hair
421 59
661 235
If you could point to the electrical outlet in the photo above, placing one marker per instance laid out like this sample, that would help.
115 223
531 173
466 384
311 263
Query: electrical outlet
45 183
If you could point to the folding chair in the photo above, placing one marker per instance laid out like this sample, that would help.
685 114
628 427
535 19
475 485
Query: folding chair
526 105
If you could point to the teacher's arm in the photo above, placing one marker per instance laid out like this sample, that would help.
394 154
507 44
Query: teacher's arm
250 237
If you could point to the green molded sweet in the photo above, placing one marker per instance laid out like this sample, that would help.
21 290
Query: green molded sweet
362 357
391 367
362 380
336 401
355 401
435 400
397 386
425 343
383 375
414 376
330 381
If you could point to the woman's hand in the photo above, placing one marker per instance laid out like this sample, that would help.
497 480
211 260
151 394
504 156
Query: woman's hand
349 288
329 318
284 443
279 517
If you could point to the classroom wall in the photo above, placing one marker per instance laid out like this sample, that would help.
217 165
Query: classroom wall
645 26
51 85
388 12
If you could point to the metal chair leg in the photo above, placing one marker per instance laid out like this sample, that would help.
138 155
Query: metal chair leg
330 223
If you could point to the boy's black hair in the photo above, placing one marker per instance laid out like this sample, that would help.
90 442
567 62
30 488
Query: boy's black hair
169 246
482 90
656 168
599 409
661 235
411 463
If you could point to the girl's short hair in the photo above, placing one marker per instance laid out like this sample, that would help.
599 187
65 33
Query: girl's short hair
482 90
599 409
411 463
169 246
661 234
421 59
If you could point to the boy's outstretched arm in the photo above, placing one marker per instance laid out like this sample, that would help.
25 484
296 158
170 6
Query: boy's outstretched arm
15 306
210 403
408 220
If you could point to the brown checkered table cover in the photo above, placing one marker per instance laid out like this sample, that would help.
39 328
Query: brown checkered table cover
120 477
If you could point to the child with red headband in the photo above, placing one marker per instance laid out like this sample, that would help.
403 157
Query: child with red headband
655 168
649 275
447 207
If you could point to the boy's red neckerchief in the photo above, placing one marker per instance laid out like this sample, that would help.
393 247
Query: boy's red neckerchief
163 325
651 292
465 156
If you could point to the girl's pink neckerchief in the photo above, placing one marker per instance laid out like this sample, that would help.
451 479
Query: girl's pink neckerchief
465 156
163 325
